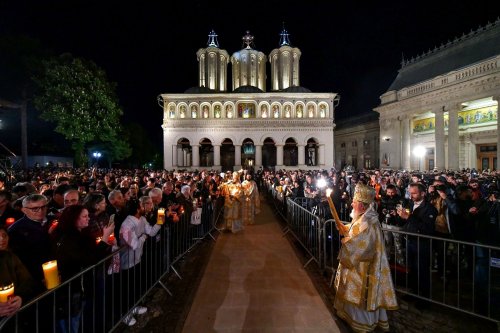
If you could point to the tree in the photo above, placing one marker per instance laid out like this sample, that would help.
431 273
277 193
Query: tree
143 150
75 94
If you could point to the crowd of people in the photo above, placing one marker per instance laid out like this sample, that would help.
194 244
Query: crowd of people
73 215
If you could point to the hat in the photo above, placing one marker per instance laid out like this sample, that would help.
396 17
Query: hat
364 193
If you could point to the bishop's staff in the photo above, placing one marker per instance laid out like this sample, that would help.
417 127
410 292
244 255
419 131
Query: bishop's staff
343 230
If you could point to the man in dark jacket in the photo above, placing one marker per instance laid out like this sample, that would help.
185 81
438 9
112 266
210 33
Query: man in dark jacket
420 219
29 238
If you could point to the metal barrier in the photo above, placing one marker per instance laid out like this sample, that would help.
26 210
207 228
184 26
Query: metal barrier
306 228
109 295
460 275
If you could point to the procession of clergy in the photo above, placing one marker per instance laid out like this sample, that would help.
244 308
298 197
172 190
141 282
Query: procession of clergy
363 280
241 202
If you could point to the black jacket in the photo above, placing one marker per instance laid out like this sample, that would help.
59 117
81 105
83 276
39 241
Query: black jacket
422 220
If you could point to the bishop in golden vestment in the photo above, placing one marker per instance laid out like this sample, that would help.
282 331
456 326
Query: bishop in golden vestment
363 280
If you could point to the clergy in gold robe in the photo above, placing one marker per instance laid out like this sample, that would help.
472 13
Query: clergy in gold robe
251 201
233 197
363 280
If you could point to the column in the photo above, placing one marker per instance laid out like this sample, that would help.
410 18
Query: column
321 155
185 161
196 155
216 157
279 156
453 144
302 156
237 157
174 156
470 151
496 98
405 142
258 156
439 155
180 156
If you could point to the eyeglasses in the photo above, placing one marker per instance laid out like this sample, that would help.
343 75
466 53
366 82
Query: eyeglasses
36 209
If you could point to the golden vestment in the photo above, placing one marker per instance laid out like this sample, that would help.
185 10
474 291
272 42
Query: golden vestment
363 280
233 196
251 201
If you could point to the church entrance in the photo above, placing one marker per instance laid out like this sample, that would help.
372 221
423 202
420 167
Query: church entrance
227 155
290 152
184 153
486 156
206 153
269 153
247 153
311 152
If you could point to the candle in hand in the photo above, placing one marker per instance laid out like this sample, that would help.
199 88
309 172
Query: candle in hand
6 292
51 274
333 210
9 221
161 216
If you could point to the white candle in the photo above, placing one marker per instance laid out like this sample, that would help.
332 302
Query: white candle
161 216
51 274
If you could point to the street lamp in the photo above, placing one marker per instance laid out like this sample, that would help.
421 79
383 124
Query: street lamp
419 152
97 155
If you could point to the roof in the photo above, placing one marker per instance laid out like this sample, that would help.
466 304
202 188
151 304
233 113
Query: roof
199 90
476 46
247 89
296 89
358 120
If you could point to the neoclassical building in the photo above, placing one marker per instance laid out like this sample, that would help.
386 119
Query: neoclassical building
357 142
210 127
441 110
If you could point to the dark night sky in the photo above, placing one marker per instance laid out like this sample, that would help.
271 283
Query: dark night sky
347 47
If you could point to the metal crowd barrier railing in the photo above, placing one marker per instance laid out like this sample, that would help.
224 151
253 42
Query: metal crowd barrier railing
460 275
109 294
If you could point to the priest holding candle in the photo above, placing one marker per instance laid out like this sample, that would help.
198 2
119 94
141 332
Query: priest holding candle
363 283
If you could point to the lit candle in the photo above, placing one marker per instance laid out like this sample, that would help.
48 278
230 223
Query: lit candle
51 274
6 292
98 240
161 216
111 238
9 221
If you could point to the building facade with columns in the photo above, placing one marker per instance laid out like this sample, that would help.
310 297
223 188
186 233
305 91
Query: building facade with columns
357 142
210 127
441 110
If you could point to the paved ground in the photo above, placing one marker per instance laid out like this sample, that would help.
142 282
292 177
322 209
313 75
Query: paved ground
249 282
254 282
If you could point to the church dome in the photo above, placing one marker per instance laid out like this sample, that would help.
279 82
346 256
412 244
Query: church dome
199 90
247 90
296 89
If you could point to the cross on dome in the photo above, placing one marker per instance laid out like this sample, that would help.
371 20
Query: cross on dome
212 39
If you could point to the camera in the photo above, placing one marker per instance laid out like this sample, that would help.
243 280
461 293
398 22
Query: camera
440 187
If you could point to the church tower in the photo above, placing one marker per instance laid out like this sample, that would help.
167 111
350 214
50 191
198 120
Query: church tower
212 65
249 66
284 64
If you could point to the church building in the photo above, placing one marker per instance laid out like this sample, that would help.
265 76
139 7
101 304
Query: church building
441 111
209 126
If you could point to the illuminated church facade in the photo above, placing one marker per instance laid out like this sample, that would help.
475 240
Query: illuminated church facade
209 126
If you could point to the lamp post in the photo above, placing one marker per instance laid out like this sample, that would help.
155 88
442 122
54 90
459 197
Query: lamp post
97 155
419 152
